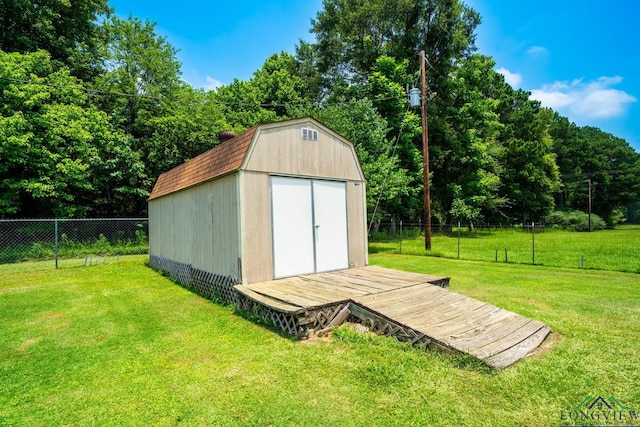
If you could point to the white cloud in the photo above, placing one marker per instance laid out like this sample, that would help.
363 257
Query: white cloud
212 83
589 100
536 50
514 79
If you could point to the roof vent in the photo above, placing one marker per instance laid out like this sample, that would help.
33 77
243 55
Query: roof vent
226 135
310 134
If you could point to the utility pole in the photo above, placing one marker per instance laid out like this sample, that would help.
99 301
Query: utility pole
425 153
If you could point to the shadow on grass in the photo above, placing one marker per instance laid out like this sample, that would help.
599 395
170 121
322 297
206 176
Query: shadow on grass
343 333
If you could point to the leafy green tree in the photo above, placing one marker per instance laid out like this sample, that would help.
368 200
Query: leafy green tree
352 34
531 176
280 83
141 89
387 183
68 30
464 132
142 73
612 165
308 68
59 154
241 104
386 88
277 87
186 128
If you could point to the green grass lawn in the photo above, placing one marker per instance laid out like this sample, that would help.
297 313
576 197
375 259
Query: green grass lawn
119 344
616 250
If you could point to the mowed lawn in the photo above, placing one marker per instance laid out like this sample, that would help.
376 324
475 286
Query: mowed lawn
119 344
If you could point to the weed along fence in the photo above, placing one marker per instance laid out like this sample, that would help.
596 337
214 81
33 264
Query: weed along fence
94 239
608 249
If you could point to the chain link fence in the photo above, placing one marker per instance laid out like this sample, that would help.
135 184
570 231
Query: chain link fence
616 249
41 239
608 249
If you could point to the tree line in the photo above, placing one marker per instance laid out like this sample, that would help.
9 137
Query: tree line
93 110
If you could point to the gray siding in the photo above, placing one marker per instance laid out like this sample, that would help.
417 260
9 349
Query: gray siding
199 226
281 150
357 223
211 225
257 248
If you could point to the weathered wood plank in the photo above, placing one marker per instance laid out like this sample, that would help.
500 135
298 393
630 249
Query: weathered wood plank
518 351
335 286
299 287
472 318
306 290
505 341
427 298
426 313
403 275
388 276
488 333
270 302
484 322
441 316
417 292
408 306
289 298
364 285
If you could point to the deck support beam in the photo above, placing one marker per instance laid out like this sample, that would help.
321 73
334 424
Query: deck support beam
337 320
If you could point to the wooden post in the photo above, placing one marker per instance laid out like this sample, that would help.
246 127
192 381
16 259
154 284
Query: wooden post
336 321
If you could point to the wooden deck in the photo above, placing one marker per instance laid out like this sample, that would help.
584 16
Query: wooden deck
402 304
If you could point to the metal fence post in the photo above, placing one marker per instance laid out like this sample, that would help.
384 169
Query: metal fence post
458 239
400 236
533 243
55 231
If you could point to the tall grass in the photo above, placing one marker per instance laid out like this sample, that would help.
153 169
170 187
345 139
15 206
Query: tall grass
119 344
616 250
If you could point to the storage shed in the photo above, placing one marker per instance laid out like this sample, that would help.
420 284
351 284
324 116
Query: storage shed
280 200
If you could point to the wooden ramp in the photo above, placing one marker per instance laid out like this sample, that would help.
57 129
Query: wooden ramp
412 307
495 336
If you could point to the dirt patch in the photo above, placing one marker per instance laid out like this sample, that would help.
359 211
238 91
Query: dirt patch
549 342
28 343
52 315
315 339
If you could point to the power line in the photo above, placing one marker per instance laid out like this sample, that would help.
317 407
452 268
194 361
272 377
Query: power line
166 99
384 182
579 176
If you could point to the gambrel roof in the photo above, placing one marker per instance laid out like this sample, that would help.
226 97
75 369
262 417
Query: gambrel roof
222 159
280 156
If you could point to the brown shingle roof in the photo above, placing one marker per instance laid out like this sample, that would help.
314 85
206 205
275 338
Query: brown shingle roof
220 160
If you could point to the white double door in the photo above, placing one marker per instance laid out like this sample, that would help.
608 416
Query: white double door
309 224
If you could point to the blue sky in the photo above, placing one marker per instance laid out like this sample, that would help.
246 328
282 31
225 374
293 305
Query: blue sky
579 57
